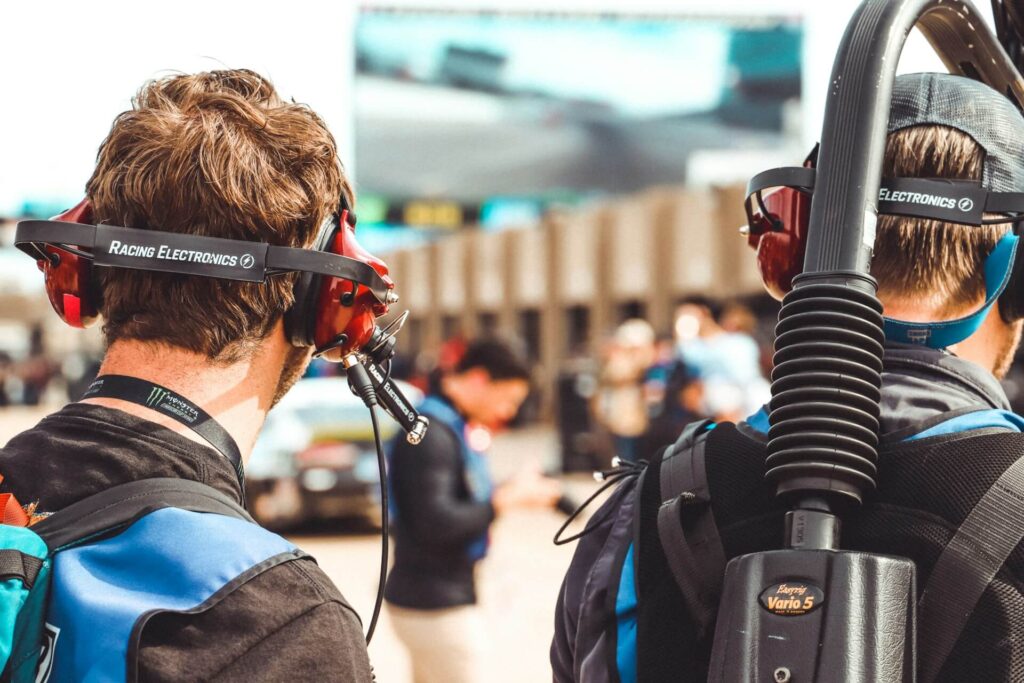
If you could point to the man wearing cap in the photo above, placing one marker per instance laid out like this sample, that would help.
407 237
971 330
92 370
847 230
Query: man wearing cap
947 346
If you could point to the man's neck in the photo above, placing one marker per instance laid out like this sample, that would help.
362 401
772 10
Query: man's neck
985 347
236 395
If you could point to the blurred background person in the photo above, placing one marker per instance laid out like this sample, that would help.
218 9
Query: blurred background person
682 403
620 404
444 503
657 376
727 361
37 370
5 373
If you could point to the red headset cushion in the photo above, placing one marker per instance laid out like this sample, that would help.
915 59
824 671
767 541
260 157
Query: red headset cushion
69 277
780 238
344 307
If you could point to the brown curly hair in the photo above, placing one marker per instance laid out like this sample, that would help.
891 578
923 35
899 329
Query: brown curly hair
217 154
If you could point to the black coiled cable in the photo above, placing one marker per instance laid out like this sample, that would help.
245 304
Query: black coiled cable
825 392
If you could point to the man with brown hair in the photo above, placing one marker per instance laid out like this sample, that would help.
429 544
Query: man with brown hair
445 503
217 154
947 346
931 270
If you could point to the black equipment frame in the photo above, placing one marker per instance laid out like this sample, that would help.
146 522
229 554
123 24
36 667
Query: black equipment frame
823 439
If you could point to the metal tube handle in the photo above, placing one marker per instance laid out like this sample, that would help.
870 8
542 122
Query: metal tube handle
845 201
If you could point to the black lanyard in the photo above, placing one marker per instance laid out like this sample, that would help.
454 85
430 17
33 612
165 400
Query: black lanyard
173 405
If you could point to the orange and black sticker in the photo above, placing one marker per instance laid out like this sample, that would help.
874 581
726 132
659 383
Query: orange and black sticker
792 598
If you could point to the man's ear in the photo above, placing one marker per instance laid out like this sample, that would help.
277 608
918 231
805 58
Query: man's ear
477 376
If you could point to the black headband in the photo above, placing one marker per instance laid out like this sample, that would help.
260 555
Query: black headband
169 252
953 201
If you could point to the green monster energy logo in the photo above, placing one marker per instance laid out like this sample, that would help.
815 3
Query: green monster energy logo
156 395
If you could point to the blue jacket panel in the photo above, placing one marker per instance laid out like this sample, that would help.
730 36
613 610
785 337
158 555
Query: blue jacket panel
170 560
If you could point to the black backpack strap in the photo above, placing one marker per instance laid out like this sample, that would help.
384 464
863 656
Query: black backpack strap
122 505
15 564
686 526
667 637
966 567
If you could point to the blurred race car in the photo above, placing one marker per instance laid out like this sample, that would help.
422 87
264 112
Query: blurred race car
315 457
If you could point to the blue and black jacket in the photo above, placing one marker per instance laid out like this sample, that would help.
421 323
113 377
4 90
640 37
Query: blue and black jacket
441 492
944 441
184 593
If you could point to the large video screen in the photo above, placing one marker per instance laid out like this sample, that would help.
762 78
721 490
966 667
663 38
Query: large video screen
489 117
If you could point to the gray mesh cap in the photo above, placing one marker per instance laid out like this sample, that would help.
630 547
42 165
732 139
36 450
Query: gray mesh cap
971 107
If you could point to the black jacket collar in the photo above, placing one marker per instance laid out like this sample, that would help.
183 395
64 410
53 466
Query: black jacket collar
84 449
919 383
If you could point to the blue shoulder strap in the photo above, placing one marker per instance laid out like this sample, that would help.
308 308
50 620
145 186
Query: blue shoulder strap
759 421
957 423
979 419
625 621
442 411
166 559
479 476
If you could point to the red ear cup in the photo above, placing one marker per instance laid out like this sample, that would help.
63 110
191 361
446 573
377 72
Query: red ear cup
69 283
346 312
334 315
780 237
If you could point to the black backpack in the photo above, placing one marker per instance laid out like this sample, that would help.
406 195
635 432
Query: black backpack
953 503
